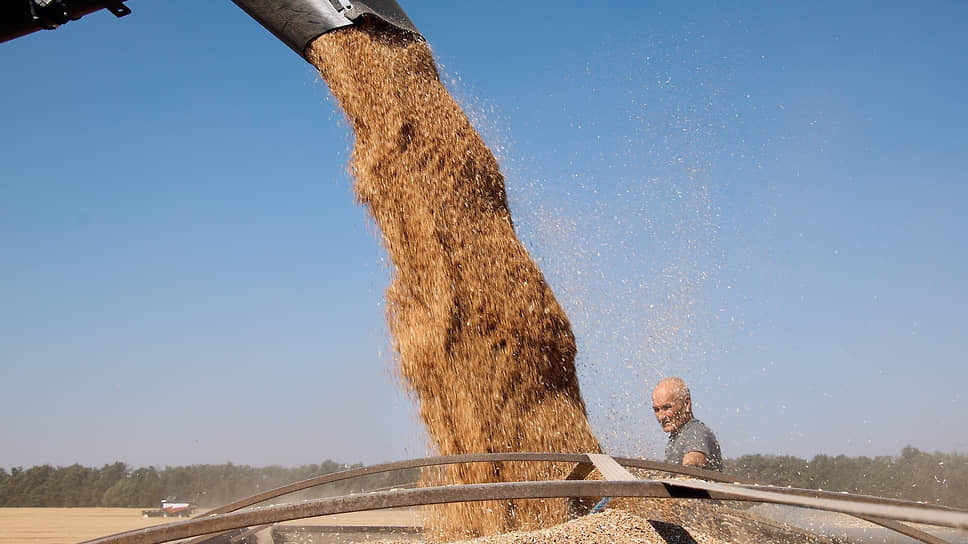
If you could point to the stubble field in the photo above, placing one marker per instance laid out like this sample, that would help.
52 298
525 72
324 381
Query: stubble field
68 525
73 525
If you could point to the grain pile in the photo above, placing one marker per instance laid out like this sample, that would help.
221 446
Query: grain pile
612 526
482 342
716 524
709 522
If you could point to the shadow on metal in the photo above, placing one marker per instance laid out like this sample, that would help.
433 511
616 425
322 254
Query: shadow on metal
888 513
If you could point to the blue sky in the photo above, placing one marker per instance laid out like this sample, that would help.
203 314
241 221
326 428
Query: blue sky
764 199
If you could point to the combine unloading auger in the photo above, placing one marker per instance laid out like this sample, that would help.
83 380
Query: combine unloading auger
296 22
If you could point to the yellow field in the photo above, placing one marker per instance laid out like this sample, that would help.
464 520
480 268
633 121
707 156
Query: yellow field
72 525
68 525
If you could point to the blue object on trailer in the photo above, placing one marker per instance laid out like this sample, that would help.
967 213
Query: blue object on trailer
600 505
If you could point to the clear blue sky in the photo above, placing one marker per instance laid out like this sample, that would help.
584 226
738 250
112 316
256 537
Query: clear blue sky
765 199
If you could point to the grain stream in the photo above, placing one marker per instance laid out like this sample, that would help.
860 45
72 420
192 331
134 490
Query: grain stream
482 343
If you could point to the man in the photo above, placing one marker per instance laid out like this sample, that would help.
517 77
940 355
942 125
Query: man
691 443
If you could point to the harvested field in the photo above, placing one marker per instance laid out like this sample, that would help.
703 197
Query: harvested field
72 525
68 525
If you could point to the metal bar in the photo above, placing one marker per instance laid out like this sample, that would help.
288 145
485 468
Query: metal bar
870 499
905 530
845 504
609 468
695 472
401 465
380 500
581 459
896 526
583 467
522 490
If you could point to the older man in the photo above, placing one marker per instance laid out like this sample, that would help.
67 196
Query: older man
691 442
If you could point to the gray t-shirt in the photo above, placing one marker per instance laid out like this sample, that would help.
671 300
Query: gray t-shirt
694 435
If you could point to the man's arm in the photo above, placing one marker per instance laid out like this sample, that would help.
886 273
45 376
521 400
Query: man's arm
694 459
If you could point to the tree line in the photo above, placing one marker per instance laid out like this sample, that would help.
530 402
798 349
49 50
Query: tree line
118 485
938 478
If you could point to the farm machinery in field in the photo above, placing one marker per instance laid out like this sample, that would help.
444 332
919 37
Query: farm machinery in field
171 508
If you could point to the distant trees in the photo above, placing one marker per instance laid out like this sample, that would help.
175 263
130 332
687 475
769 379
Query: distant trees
938 478
117 485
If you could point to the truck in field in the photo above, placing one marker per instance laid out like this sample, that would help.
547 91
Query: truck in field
171 508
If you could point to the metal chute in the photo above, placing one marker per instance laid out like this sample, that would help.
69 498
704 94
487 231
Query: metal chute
298 22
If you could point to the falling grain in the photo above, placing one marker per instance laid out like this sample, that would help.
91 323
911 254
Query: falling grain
483 344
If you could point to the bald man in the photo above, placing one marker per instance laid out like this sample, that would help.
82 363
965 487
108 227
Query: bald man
691 442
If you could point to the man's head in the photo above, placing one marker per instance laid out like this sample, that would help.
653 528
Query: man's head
671 404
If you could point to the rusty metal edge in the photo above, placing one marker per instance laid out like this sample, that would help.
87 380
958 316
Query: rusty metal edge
581 459
854 497
400 465
844 503
524 490
582 468
578 458
905 530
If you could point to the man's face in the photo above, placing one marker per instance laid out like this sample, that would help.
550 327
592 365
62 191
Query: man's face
671 411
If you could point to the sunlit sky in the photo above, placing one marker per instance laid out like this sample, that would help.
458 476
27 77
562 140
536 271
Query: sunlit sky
764 198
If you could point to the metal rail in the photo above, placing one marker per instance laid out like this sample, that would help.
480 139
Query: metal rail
580 459
882 511
519 490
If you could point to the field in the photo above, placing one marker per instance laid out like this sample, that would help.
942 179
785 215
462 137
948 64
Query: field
68 525
72 525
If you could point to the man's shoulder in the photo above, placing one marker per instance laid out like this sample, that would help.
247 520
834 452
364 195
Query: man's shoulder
695 431
695 426
697 436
